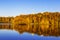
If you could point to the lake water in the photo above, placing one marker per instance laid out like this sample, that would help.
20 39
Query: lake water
13 35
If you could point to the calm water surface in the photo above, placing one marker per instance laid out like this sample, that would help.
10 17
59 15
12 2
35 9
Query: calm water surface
13 35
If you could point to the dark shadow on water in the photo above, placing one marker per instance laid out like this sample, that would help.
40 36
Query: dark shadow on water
13 35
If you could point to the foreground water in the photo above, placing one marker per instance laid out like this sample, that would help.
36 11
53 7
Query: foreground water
13 35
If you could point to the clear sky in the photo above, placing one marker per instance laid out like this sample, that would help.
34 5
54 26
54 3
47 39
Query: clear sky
17 7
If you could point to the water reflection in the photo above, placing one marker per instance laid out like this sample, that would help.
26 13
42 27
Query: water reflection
13 35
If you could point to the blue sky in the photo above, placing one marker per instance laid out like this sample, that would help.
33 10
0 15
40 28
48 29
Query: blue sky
17 7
